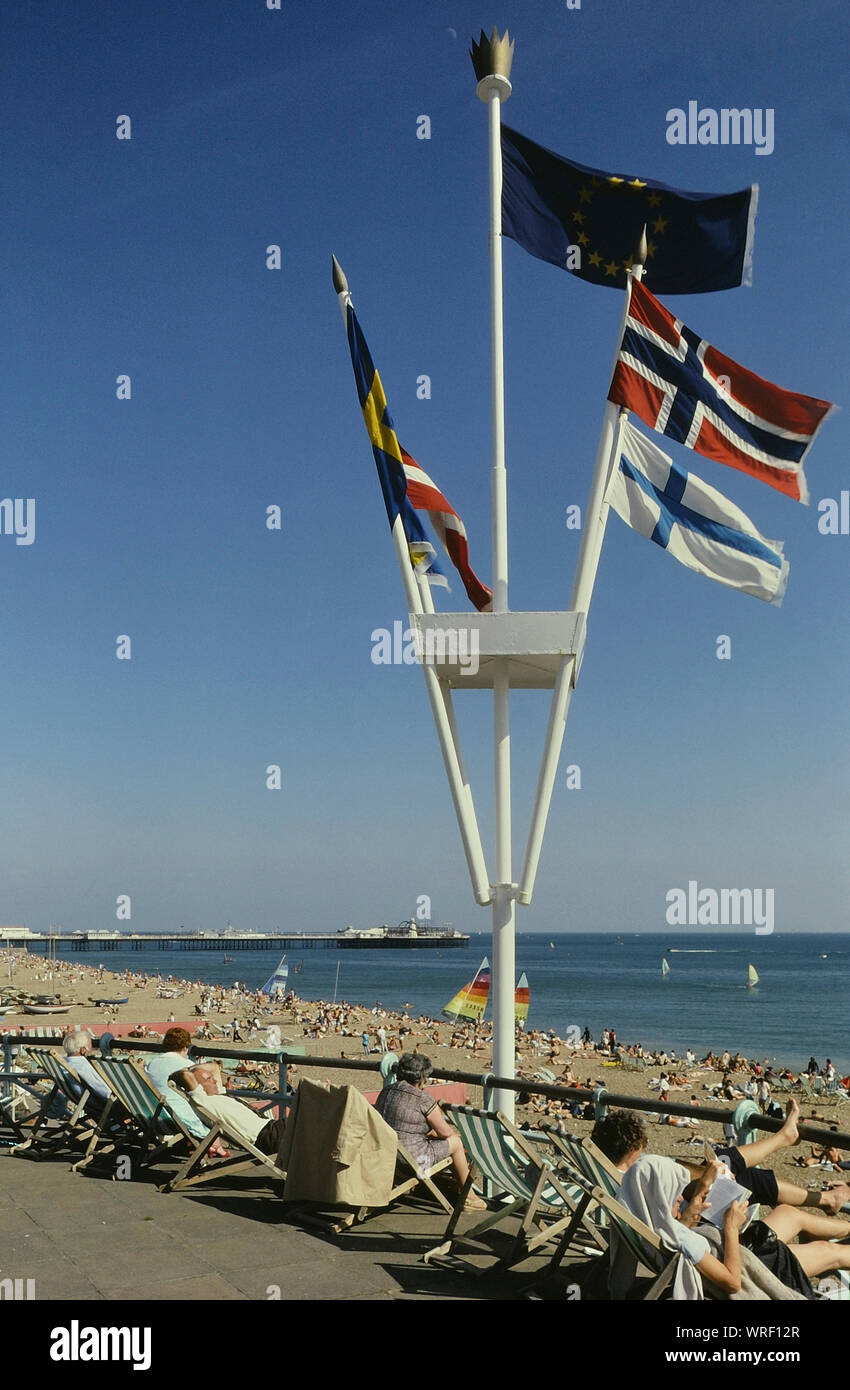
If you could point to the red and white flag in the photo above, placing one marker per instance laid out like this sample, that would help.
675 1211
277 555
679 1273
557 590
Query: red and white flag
425 496
685 389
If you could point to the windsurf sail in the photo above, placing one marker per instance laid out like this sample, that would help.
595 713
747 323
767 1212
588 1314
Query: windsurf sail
665 969
471 1001
752 976
521 1000
276 985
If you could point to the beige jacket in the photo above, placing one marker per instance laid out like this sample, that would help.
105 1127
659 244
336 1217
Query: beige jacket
336 1148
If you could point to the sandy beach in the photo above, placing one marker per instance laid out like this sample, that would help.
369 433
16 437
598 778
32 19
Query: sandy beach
154 1002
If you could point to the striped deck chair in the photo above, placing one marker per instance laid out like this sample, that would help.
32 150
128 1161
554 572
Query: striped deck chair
63 1120
507 1159
642 1242
199 1168
154 1131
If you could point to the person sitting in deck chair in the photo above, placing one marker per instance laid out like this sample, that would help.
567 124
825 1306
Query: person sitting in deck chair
201 1084
420 1123
622 1138
161 1066
76 1045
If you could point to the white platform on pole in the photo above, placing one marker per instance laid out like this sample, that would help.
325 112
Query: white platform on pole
467 649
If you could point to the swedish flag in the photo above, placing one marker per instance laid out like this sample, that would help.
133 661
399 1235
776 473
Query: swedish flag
387 451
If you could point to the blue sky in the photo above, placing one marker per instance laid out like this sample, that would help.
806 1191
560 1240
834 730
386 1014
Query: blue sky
249 647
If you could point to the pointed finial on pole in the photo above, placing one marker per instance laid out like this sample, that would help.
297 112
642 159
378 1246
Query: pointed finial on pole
340 282
641 251
492 59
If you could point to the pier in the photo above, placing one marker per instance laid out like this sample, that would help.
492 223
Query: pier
390 940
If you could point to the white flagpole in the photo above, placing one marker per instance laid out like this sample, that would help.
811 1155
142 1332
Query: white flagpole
592 536
492 59
443 716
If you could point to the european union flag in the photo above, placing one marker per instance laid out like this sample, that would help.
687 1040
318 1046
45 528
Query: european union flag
589 222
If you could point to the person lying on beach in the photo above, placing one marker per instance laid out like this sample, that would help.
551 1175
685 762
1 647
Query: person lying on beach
420 1123
202 1085
677 1121
827 1157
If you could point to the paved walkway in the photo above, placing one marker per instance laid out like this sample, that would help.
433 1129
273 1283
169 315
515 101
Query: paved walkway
86 1237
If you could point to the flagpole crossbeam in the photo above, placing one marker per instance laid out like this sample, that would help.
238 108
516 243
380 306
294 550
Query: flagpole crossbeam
470 650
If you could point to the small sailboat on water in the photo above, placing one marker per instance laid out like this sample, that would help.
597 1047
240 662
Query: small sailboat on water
665 969
471 1001
752 977
276 985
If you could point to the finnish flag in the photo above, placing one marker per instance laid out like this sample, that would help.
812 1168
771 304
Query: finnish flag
692 521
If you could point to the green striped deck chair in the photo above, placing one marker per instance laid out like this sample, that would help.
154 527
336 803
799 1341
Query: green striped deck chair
642 1242
50 1131
153 1131
527 1183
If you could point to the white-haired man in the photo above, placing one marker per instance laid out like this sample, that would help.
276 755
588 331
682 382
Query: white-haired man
77 1044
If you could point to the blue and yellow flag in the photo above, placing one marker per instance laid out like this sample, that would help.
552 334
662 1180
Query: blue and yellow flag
387 451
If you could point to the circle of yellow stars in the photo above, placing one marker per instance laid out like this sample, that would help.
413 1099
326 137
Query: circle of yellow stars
585 195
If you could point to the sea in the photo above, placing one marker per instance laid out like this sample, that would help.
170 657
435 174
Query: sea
798 1009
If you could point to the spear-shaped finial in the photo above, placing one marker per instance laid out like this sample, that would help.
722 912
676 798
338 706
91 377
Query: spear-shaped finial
340 282
641 251
492 59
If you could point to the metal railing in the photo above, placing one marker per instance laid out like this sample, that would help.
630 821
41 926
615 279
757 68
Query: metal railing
601 1098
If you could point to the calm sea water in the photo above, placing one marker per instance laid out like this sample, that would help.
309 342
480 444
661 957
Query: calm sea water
800 1006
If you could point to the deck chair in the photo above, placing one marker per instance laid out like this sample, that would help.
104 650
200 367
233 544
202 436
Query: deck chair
806 1087
63 1120
642 1243
154 1131
340 1152
200 1168
533 1189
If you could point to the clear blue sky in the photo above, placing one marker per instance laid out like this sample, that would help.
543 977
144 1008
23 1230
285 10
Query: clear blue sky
251 647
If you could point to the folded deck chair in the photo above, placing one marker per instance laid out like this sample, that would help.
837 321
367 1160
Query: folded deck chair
508 1161
199 1167
339 1151
153 1130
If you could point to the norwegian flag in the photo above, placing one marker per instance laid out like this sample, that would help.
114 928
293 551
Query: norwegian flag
685 389
425 496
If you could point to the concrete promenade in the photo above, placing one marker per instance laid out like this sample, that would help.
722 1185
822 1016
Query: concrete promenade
86 1237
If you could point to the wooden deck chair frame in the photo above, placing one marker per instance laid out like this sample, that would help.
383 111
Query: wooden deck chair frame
529 1201
155 1130
45 1136
643 1242
419 1178
94 1133
199 1169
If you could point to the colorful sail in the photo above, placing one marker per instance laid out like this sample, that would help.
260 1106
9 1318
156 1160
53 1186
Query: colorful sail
471 1001
665 969
276 985
521 1000
752 976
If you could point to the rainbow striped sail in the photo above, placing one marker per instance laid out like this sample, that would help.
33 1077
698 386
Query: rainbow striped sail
521 1000
472 999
